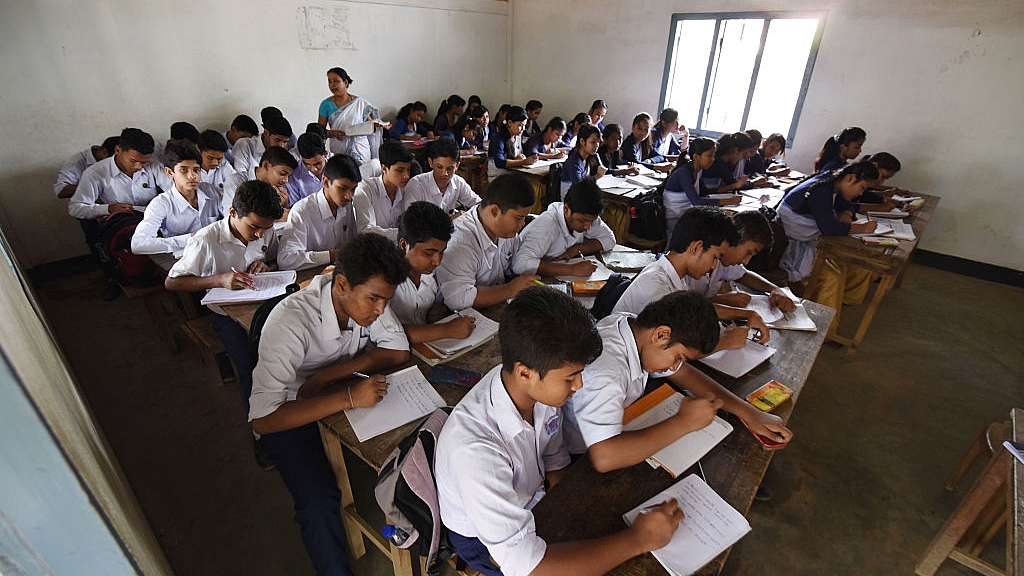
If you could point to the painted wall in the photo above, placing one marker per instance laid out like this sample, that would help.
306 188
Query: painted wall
936 82
76 72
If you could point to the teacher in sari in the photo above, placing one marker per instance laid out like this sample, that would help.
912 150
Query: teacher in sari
350 120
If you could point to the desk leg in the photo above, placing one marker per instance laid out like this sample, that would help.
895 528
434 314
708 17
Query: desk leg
336 456
883 288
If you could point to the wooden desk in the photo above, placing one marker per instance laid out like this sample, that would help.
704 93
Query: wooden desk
473 170
588 504
1015 504
243 313
889 262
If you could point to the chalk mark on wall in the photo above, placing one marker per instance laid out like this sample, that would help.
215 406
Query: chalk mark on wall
323 28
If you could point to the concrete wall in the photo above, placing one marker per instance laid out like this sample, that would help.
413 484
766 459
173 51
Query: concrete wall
76 72
936 82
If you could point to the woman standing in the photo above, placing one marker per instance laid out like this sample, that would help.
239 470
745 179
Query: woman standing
350 120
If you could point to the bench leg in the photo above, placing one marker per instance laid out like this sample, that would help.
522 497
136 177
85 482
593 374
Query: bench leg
336 456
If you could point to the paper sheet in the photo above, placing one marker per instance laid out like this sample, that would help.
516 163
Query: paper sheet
898 228
600 273
761 304
409 397
678 456
268 285
645 181
610 181
795 320
739 361
484 330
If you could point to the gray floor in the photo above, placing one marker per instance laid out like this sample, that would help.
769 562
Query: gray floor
859 490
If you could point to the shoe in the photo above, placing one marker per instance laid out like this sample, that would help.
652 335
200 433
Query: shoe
111 291
262 460
764 494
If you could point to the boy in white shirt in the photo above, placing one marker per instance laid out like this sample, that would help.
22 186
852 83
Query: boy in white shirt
503 442
275 168
566 230
277 132
213 147
243 126
319 225
380 201
123 182
332 330
476 270
71 171
441 185
308 178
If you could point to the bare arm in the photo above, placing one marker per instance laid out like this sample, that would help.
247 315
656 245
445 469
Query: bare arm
457 328
372 362
228 280
302 411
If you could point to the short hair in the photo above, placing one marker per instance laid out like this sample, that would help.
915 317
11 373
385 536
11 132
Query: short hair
269 112
584 197
424 221
342 166
585 132
754 227
184 131
392 152
533 105
316 128
340 73
610 129
109 143
135 139
257 197
443 148
176 152
510 191
278 156
545 329
212 140
690 317
310 145
367 255
707 224
885 161
245 123
555 123
278 126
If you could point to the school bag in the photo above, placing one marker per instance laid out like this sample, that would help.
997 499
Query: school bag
407 493
647 215
767 260
259 318
115 251
608 296
553 188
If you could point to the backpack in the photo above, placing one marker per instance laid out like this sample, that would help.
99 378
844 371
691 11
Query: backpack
115 245
609 295
649 222
407 492
553 190
259 318
768 259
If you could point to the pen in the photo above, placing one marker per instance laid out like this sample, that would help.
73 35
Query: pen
539 283
360 375
248 282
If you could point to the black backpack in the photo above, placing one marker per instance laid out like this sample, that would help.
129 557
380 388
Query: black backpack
649 210
553 192
259 318
769 258
609 295
115 251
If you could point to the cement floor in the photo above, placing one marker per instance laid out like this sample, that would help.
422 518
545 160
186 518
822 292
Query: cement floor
859 490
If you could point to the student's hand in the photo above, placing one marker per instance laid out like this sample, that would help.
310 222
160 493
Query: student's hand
282 196
846 217
755 321
233 281
730 201
368 391
742 180
697 413
865 228
461 327
530 160
760 182
582 268
654 529
574 251
472 149
523 282
778 299
258 266
666 167
767 425
119 207
734 337
430 134
455 214
737 299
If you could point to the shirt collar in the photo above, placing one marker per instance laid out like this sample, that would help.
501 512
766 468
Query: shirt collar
556 207
506 415
329 327
670 271
224 235
180 205
324 207
636 370
477 227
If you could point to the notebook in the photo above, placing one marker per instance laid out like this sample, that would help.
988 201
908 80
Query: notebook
738 361
449 348
600 273
268 285
409 397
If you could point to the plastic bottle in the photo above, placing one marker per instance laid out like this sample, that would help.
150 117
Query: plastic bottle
395 534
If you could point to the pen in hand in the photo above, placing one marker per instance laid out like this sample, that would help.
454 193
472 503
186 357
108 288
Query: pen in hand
245 278
365 376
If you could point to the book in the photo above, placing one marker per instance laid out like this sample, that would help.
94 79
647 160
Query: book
445 349
709 526
409 397
600 273
880 241
767 397
738 361
678 456
268 285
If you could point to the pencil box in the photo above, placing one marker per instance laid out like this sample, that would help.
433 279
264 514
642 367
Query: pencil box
768 397
587 287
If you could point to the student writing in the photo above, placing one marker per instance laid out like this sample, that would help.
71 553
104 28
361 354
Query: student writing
840 149
583 161
275 166
683 186
248 152
506 150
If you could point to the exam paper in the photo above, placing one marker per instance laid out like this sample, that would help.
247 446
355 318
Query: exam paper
409 397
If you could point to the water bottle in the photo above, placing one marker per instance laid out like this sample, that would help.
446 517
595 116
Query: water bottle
395 534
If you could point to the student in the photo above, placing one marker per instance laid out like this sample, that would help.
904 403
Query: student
533 109
268 112
667 334
71 171
472 103
308 178
701 236
610 151
242 126
334 329
566 230
213 147
823 206
225 254
409 125
766 159
466 135
441 186
583 161
350 120
184 132
721 177
380 201
494 127
321 223
573 129
544 143
598 110
754 138
664 133
840 149
506 150
448 113
172 217
123 182
876 197
479 258
502 446
482 117
275 167
683 186
637 145
277 131
423 235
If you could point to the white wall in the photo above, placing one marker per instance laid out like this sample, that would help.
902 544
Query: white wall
76 72
936 82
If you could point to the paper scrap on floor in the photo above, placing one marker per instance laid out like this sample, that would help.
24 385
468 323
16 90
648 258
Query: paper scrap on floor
409 397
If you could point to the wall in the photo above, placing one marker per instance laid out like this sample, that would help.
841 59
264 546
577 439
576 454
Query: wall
86 69
936 82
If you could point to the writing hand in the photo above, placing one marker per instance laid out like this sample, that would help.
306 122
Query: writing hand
369 391
654 529
258 266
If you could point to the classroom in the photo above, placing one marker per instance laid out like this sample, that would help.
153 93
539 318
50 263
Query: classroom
147 468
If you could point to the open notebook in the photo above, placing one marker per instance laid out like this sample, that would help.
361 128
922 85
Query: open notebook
409 397
445 349
738 361
268 285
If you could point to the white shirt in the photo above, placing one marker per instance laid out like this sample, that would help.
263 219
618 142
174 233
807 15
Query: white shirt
411 302
302 183
313 231
549 236
231 184
490 467
217 176
423 187
71 171
471 259
375 212
657 279
170 220
105 183
711 285
214 250
247 153
302 335
610 384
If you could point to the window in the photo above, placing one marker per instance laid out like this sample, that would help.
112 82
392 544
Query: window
730 72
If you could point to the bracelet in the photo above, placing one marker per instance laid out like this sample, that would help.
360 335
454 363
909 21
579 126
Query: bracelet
351 404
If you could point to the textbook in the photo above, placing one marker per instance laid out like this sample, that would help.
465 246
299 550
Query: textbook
440 351
738 361
409 397
678 456
709 526
268 285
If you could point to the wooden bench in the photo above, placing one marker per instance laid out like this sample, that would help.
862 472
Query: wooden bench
200 331
161 308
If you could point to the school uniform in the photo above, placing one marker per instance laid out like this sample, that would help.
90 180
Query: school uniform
633 152
549 236
610 384
508 457
501 150
711 284
612 158
231 184
217 176
682 192
833 164
170 220
535 145
247 153
302 183
302 335
721 171
657 279
756 164
229 155
403 127
375 211
531 128
442 124
105 183
71 170
663 145
411 303
423 187
576 168
312 231
471 259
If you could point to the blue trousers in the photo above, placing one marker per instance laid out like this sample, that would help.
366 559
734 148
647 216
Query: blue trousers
236 343
299 456
473 552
